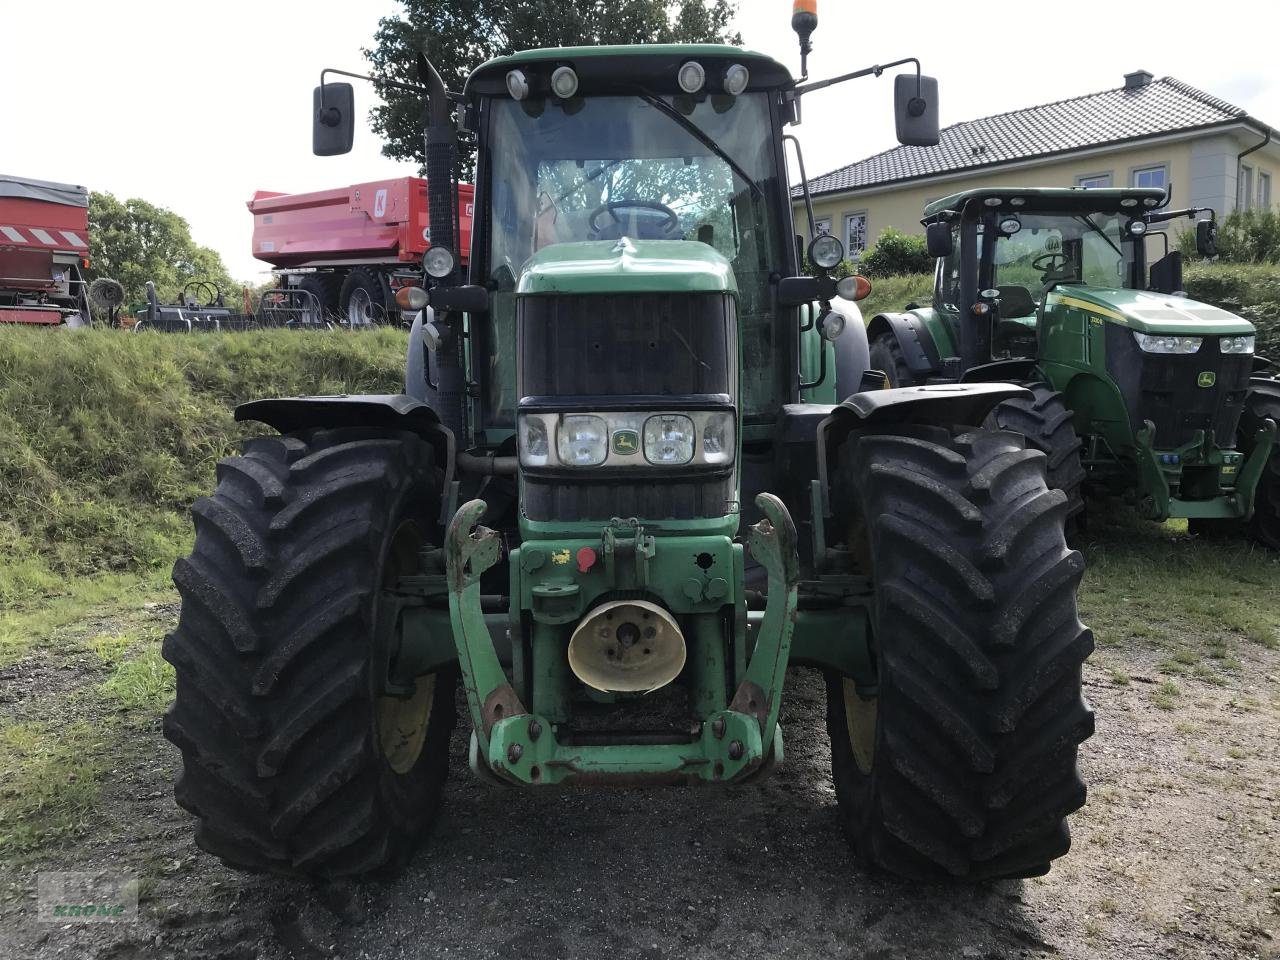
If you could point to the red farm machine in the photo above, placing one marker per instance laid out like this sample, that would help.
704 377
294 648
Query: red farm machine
44 252
343 253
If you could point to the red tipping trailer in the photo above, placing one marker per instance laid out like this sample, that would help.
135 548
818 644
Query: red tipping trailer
44 250
351 247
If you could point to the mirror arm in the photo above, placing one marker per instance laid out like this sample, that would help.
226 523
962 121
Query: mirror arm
875 70
411 88
1189 213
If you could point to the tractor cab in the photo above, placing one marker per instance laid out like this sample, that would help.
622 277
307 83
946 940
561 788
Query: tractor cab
1002 253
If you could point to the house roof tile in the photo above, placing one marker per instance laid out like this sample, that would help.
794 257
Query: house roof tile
1159 107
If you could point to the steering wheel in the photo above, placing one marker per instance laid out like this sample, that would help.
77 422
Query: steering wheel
1050 262
670 224
200 288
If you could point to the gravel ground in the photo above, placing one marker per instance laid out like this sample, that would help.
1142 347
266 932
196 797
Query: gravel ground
1175 854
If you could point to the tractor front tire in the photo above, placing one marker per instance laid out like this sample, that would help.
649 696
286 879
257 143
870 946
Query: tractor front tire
1048 425
887 357
1263 403
960 763
295 760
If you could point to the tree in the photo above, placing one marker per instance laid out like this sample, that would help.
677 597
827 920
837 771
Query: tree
460 35
134 241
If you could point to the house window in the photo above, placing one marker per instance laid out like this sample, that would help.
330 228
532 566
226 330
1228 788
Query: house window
1264 191
1094 180
822 226
1157 177
855 234
1244 197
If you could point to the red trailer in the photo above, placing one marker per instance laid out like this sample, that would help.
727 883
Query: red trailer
44 250
353 247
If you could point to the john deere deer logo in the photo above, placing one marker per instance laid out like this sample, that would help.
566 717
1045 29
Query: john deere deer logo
1207 379
626 442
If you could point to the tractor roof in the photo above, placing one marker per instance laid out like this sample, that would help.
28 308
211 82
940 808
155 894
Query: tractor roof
653 66
1052 199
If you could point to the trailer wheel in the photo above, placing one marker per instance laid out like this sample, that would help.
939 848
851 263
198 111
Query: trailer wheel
295 759
887 357
325 287
961 761
365 299
1049 427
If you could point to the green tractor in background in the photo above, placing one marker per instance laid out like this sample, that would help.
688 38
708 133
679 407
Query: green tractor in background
1137 390
602 507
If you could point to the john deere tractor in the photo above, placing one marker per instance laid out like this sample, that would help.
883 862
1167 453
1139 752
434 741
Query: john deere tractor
640 466
1136 389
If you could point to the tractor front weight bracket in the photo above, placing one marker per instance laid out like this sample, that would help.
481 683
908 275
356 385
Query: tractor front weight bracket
521 747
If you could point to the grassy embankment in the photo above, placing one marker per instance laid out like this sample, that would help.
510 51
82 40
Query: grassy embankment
106 438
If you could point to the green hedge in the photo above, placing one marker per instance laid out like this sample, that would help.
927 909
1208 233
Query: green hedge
1251 290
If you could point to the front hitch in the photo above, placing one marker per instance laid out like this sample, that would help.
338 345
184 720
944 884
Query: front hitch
521 747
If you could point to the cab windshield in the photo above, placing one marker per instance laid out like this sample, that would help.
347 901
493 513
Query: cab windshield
697 170
1061 248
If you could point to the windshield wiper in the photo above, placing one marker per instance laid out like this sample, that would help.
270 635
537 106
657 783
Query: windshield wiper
702 137
1084 218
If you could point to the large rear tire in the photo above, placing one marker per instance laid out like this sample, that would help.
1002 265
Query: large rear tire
887 357
961 762
1048 425
294 759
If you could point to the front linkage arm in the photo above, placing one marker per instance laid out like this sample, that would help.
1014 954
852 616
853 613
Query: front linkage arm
522 747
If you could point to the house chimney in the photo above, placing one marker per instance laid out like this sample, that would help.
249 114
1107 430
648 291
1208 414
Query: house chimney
1137 79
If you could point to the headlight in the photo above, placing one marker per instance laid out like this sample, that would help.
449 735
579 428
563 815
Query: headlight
668 438
582 441
1167 343
717 438
535 448
1237 344
438 262
826 251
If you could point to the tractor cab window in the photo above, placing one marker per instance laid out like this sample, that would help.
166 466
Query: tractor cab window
607 167
1038 251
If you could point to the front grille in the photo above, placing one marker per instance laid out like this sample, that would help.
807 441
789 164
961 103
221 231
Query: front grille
1165 389
619 347
614 345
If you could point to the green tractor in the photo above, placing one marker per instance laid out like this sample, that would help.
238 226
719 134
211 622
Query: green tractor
602 507
1137 390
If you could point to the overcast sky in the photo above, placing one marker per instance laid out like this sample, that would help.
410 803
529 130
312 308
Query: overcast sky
195 107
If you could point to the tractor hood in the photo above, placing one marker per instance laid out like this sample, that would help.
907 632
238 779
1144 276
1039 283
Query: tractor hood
1150 312
627 266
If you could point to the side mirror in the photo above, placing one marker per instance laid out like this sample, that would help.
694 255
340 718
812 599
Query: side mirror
797 291
915 109
937 239
1207 238
468 298
333 119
